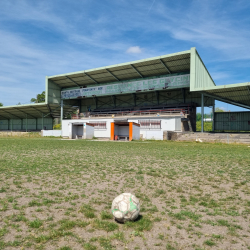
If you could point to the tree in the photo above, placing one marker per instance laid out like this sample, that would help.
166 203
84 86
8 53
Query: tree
219 110
1 104
39 98
198 117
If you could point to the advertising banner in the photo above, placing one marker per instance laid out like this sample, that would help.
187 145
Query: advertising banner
179 81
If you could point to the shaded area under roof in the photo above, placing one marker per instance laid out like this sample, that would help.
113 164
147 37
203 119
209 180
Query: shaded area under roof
33 111
237 94
162 65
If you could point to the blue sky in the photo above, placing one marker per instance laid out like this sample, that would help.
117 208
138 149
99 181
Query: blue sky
39 38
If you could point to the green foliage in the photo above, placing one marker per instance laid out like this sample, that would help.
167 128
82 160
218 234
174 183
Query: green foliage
198 117
57 127
40 98
1 104
219 110
208 126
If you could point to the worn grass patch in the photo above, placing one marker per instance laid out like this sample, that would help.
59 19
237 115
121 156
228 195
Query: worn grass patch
57 194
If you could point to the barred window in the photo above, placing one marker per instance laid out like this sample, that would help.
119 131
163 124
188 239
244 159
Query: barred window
150 124
145 123
99 125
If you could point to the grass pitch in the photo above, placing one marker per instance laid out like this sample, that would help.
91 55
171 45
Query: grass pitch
57 194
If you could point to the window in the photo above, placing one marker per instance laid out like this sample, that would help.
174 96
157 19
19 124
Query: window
150 124
99 125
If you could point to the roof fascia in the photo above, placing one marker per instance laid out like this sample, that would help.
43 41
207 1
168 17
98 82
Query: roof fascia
24 105
234 85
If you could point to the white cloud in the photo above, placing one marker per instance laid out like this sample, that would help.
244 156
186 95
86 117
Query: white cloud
134 50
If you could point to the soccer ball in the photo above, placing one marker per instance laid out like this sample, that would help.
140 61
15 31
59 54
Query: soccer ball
125 207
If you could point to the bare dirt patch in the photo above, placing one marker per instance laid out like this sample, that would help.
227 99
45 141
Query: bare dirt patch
53 194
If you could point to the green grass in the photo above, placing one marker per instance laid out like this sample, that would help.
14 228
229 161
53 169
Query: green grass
35 223
53 190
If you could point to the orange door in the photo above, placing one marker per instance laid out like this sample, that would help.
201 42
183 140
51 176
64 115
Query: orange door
130 131
112 131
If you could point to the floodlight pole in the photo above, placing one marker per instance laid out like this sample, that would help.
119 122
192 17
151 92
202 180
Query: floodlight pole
202 113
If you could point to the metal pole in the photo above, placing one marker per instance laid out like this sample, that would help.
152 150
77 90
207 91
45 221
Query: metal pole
213 116
11 124
26 123
202 113
42 121
61 111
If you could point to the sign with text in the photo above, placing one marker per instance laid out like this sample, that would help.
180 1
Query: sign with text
179 81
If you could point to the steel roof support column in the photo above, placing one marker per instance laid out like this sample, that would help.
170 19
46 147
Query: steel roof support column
61 111
213 109
42 121
202 113
26 123
11 124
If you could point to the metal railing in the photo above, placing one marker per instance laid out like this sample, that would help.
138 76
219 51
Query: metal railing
157 112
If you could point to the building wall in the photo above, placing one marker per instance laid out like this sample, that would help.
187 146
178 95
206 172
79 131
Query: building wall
199 75
53 92
97 133
88 131
167 124
136 132
56 133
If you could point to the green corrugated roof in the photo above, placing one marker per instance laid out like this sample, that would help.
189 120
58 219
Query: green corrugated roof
33 111
161 65
236 94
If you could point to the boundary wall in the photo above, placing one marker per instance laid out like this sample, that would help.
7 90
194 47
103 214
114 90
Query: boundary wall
29 124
